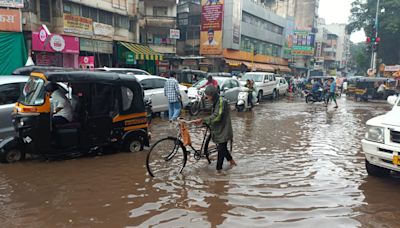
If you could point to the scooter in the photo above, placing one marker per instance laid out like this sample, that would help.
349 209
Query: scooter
243 98
198 103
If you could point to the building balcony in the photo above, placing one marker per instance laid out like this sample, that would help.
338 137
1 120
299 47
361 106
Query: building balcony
158 21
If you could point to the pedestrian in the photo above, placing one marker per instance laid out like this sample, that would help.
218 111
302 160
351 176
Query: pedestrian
171 91
221 126
332 92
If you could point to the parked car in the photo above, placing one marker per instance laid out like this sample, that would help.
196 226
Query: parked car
382 141
133 71
229 88
265 83
282 86
154 89
10 89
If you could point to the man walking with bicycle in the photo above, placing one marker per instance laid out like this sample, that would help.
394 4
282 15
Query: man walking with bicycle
220 124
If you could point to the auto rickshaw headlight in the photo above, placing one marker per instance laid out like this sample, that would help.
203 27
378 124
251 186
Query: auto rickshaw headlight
21 123
375 134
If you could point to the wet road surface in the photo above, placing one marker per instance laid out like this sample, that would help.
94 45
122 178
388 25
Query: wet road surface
299 165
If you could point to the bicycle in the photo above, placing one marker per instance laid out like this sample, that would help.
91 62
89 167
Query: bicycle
169 155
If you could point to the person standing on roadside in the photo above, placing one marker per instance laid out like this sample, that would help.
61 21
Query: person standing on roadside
220 124
171 91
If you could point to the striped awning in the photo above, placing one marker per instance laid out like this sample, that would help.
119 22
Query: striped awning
142 52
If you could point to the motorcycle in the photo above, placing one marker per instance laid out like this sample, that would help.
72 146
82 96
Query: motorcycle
243 98
315 97
198 103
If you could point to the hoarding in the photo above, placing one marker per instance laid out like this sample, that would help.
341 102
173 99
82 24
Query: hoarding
175 34
77 24
211 27
303 43
237 19
100 29
10 20
12 3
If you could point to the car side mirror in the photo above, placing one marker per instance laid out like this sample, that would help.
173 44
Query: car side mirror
392 100
226 89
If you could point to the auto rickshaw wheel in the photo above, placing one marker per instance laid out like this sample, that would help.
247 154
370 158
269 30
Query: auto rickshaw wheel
12 156
134 144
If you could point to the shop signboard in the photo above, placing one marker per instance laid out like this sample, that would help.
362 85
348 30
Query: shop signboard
96 46
56 43
392 68
100 29
12 3
211 27
10 20
130 58
303 43
86 62
77 24
237 20
175 34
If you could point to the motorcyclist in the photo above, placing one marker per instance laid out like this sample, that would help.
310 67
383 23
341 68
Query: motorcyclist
250 86
212 82
316 88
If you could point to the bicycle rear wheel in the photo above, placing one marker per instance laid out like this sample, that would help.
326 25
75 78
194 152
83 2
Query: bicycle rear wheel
167 157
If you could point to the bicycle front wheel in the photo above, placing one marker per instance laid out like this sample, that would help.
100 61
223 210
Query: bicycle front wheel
167 157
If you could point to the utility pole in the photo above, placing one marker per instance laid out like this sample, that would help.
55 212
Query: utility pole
374 44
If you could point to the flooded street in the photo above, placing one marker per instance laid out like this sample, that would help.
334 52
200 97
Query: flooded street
299 165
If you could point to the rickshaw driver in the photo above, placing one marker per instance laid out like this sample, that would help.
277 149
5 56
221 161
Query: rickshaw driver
61 106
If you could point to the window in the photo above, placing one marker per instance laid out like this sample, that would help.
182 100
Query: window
235 84
121 21
160 11
10 93
33 92
89 12
127 98
147 84
105 17
159 83
132 26
45 10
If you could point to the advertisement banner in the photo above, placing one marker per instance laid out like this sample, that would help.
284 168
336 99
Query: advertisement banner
10 20
175 34
12 3
303 43
211 27
100 29
237 20
56 43
86 62
77 24
96 46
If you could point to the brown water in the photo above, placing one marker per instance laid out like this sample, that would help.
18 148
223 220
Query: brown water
298 166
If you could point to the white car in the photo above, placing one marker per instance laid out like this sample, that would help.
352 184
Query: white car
282 86
382 141
154 89
265 83
133 71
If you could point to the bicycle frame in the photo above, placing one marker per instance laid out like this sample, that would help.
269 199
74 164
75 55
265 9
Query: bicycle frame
198 154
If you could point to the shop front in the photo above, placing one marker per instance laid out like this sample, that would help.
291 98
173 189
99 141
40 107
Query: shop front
55 50
100 51
137 56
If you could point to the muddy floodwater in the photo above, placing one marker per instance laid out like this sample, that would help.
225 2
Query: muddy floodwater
299 165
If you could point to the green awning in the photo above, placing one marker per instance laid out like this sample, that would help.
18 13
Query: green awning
13 52
142 52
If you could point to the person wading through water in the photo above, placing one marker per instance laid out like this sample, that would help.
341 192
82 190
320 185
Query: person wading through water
220 124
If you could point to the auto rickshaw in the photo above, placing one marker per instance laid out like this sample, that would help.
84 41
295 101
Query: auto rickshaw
190 77
108 111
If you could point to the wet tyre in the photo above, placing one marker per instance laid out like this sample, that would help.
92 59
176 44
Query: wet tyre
260 96
240 108
195 109
309 99
376 171
134 145
274 95
167 157
210 149
11 156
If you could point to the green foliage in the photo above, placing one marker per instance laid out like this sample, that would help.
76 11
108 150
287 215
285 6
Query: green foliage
363 17
360 58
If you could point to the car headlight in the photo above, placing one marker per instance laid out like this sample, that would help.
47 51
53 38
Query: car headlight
375 134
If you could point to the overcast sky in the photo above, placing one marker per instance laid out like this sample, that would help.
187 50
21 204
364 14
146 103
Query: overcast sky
338 11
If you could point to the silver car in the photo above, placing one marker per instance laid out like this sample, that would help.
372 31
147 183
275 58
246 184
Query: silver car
229 87
10 90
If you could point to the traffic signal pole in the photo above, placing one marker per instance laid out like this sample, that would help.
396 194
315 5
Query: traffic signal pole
375 43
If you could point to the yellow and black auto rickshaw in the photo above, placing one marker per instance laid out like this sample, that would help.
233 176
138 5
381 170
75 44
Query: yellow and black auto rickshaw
108 111
189 77
366 88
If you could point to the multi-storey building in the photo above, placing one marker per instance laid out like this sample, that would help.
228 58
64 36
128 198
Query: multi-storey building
189 21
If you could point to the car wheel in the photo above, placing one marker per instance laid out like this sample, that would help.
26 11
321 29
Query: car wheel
260 96
274 94
376 171
134 145
11 156
240 108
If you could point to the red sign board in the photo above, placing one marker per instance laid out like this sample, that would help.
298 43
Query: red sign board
56 43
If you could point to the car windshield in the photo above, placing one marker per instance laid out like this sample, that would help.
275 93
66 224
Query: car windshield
203 81
33 92
254 77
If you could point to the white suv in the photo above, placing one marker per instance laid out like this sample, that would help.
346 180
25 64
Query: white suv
265 83
382 141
